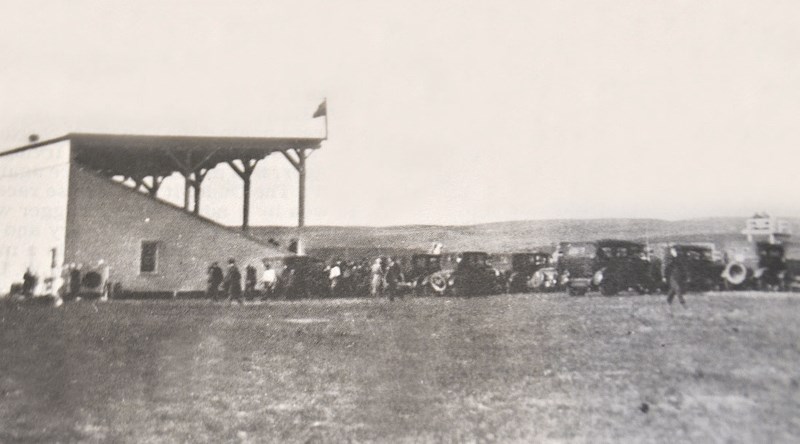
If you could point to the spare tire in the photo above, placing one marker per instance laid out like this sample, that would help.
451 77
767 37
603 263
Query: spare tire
735 273
92 280
438 283
537 280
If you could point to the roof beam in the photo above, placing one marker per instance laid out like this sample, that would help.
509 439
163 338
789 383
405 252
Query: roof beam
295 162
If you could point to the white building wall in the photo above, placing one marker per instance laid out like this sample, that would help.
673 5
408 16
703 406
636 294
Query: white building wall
109 221
33 208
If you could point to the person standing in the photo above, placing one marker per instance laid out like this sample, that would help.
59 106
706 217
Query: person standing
215 278
334 277
250 280
270 280
394 275
28 283
75 276
289 283
105 276
233 282
376 282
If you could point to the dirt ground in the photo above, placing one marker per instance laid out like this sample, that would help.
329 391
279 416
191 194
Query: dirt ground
511 368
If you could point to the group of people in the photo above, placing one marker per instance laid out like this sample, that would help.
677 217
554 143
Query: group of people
384 276
70 280
387 275
228 284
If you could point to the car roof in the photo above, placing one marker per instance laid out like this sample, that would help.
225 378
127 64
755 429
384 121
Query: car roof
691 247
618 243
577 243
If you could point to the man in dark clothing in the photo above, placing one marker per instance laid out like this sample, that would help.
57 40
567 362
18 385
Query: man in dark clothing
75 282
28 282
250 278
215 278
233 282
394 275
677 285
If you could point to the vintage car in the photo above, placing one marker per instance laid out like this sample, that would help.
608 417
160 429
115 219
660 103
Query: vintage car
609 265
792 256
758 265
302 276
545 279
524 275
423 266
473 275
688 267
575 266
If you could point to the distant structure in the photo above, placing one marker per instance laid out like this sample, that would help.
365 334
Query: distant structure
764 227
85 198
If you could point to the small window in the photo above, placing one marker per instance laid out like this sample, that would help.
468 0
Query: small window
149 258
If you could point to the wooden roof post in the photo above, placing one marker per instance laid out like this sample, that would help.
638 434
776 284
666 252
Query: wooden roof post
301 198
245 171
299 164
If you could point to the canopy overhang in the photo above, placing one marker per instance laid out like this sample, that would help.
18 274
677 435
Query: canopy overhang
140 157
145 155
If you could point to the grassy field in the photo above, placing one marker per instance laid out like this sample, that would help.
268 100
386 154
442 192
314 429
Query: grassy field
524 368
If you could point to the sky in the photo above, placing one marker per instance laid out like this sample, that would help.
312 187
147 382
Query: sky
440 112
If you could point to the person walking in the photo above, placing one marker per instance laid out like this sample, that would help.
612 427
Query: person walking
346 284
678 280
233 282
215 278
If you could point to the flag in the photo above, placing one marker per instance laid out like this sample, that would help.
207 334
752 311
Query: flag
322 110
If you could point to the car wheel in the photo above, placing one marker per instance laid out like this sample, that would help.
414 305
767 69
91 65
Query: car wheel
608 289
573 291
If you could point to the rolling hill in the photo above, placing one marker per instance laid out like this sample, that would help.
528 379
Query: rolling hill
502 237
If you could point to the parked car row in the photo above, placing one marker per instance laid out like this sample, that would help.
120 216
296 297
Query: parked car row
611 266
608 266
